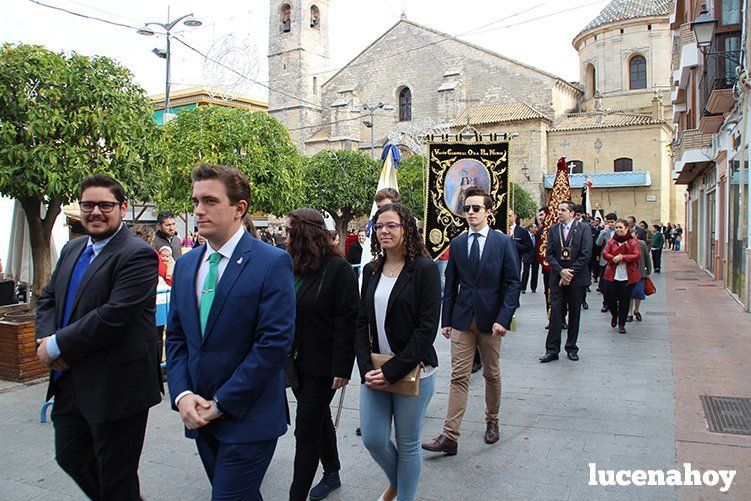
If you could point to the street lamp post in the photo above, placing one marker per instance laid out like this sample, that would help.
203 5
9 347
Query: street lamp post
189 21
370 124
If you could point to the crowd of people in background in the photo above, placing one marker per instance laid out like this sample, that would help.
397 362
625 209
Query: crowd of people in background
255 310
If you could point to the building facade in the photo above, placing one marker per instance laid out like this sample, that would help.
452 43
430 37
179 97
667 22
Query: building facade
444 84
711 108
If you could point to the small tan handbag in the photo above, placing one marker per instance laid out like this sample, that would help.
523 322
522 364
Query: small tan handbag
409 385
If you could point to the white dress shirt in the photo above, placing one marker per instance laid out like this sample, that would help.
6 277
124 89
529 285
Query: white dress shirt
481 239
226 251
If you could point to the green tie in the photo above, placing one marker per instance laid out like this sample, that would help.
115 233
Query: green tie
209 286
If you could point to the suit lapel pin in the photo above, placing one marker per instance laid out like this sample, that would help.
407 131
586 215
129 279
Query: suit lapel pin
239 261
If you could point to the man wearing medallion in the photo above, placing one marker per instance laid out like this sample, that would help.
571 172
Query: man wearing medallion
569 249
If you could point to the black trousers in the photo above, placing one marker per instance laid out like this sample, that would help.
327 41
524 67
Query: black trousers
657 259
618 297
102 458
561 299
531 271
315 436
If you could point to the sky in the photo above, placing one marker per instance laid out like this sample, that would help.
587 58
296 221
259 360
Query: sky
536 32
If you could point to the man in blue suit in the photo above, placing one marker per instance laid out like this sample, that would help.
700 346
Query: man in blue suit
479 301
231 326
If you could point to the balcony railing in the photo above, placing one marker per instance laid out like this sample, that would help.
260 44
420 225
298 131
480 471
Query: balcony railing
719 74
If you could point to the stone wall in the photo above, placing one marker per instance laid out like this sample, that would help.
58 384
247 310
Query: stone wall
646 146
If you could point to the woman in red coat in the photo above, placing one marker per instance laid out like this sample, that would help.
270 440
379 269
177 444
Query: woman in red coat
622 273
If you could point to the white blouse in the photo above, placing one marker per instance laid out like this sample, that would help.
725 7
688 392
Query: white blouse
381 302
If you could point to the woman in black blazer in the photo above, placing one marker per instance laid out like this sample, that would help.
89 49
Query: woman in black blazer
323 350
399 313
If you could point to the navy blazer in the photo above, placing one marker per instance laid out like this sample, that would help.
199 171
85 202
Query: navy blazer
248 336
493 295
411 322
580 241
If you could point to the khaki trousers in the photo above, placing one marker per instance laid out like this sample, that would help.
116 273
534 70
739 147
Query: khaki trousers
463 345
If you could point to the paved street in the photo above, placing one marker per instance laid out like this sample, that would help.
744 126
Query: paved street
631 402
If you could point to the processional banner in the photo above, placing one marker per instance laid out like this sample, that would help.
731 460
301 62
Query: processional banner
452 168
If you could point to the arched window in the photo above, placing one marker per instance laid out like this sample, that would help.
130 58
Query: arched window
575 167
405 105
315 17
591 89
285 15
623 165
637 70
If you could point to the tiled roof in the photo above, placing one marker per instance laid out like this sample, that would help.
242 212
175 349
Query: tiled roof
601 120
622 10
499 113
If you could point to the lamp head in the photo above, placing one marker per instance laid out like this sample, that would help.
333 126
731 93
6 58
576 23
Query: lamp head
704 27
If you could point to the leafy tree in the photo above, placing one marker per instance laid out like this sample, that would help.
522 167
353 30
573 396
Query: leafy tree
253 142
341 183
411 178
62 118
523 203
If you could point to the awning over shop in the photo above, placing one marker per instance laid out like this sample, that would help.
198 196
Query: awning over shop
605 179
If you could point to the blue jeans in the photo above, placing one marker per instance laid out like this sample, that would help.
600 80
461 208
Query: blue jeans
402 461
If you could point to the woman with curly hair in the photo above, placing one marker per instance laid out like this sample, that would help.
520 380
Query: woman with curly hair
399 312
323 352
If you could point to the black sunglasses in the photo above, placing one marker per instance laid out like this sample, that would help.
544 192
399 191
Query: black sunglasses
474 208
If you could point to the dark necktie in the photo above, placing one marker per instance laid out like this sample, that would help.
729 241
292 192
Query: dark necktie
474 254
75 280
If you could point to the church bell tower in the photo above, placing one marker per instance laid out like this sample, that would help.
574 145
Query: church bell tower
298 58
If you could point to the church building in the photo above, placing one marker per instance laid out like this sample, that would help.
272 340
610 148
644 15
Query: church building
612 126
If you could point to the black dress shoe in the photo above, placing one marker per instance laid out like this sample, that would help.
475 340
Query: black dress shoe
572 356
549 357
547 326
621 329
585 306
524 292
476 366
637 315
358 432
630 318
613 322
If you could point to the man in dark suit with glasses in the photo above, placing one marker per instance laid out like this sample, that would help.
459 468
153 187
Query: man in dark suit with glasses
95 325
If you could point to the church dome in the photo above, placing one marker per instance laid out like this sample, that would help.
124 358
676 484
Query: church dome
623 10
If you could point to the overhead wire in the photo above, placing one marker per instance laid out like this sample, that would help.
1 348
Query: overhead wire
85 16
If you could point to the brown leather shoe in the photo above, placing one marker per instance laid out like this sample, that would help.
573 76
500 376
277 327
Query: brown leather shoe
491 433
442 444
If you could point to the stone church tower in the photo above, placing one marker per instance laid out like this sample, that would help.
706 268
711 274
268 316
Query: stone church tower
298 56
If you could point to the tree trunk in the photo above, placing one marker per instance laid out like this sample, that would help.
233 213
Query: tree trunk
341 223
40 234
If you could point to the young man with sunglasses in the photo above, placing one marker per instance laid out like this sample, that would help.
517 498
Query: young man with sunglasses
480 298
